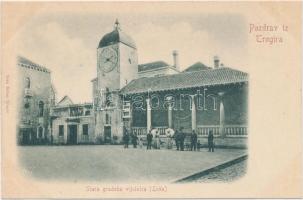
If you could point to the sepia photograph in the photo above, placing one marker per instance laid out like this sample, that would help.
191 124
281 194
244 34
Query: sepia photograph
149 99
166 118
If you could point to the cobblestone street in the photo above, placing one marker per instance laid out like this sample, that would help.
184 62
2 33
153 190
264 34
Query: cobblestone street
228 174
116 164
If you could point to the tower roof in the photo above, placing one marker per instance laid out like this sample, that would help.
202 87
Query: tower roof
117 35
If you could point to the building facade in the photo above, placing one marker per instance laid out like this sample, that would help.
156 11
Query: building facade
35 97
72 123
139 97
159 96
117 66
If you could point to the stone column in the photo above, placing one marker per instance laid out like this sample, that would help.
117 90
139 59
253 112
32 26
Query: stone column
222 114
43 132
170 113
193 113
65 132
148 115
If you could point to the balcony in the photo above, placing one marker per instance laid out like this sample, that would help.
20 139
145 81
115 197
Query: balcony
28 92
40 120
126 110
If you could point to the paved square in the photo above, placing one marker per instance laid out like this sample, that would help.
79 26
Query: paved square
116 164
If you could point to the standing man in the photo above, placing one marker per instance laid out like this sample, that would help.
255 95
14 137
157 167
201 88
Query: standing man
177 137
158 141
125 137
193 140
182 138
210 141
134 140
52 139
149 139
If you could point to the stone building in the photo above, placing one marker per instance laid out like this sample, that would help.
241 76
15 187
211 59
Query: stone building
35 97
160 96
139 97
72 123
200 100
117 66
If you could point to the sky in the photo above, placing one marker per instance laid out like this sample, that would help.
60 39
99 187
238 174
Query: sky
66 43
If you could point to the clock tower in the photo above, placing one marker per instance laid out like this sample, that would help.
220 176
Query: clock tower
117 59
117 65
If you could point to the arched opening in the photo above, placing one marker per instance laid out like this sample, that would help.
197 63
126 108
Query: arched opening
41 108
27 83
40 132
211 99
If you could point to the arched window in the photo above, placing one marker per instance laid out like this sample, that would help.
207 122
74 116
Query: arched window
27 83
213 100
40 132
41 108
26 103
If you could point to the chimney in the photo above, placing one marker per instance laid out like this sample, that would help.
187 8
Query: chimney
176 59
216 62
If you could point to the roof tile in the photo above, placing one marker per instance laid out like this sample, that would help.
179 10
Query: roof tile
218 76
152 65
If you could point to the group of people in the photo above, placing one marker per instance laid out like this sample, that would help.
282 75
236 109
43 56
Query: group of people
134 139
178 136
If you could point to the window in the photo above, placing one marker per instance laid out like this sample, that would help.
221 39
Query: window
107 119
27 83
40 132
61 130
41 108
87 112
26 103
76 111
108 98
85 129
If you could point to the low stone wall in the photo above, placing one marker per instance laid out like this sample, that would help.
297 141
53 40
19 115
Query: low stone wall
220 142
227 142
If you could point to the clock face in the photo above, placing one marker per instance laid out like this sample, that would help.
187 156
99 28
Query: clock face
108 60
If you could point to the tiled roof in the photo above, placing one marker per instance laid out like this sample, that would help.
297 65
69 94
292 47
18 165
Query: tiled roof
197 67
65 101
151 65
24 62
186 80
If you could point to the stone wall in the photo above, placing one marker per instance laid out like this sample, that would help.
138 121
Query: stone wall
29 96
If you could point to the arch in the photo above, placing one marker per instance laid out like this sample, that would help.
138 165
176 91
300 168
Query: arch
40 132
214 101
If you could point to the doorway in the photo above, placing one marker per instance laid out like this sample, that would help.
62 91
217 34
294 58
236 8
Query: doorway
25 136
72 134
107 134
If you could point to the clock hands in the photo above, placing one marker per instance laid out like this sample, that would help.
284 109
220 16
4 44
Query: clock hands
109 60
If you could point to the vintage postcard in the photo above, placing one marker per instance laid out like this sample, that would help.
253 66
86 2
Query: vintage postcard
151 99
